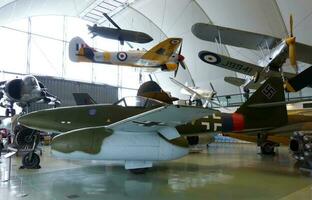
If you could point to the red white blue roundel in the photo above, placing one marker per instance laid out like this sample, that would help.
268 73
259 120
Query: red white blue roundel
209 57
122 56
174 41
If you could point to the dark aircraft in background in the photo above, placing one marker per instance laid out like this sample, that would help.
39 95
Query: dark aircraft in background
119 34
24 91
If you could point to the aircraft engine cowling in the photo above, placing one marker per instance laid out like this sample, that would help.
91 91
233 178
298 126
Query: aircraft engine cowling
169 67
13 89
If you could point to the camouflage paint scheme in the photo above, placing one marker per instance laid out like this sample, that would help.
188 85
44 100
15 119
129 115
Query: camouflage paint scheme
246 123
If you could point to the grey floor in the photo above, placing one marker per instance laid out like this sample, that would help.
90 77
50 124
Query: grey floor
225 171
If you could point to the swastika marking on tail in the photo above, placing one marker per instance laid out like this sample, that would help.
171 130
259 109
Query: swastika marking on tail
268 91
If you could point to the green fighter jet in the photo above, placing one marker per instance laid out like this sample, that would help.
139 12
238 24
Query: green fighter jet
141 130
137 130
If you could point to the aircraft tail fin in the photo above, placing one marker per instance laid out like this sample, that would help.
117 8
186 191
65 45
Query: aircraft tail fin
79 51
257 117
83 99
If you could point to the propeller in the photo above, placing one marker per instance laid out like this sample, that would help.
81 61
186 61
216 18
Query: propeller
180 61
214 93
291 42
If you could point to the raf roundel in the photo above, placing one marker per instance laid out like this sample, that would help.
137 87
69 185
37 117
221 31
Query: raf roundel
209 57
122 56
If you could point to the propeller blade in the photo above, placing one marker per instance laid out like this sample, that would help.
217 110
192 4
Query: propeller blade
291 42
183 65
292 52
215 93
291 23
176 72
180 50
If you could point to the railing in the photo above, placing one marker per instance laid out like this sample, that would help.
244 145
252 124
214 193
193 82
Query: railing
235 100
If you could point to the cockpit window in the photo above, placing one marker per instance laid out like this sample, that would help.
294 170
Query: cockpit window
137 101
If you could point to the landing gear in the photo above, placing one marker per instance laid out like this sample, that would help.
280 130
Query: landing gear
31 161
138 170
301 147
27 140
267 147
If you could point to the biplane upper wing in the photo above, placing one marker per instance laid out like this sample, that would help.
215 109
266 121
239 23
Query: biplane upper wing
163 51
233 37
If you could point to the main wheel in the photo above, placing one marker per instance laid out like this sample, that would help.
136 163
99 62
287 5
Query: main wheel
268 148
31 161
138 170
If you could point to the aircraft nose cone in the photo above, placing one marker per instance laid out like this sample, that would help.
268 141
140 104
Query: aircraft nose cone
181 58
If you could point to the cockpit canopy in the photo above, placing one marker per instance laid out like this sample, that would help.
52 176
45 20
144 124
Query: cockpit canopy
139 102
30 81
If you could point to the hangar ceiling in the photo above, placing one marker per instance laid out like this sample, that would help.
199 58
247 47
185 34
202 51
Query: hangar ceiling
172 18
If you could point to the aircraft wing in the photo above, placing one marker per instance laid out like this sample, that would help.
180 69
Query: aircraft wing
161 118
233 37
240 81
163 51
188 89
229 63
238 65
304 53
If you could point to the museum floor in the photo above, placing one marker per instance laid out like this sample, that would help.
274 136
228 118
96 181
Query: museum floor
225 171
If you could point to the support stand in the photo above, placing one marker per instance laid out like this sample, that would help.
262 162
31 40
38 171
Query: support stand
9 155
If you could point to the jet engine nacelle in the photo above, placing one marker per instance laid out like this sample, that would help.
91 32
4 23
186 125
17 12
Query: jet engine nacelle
13 89
124 146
